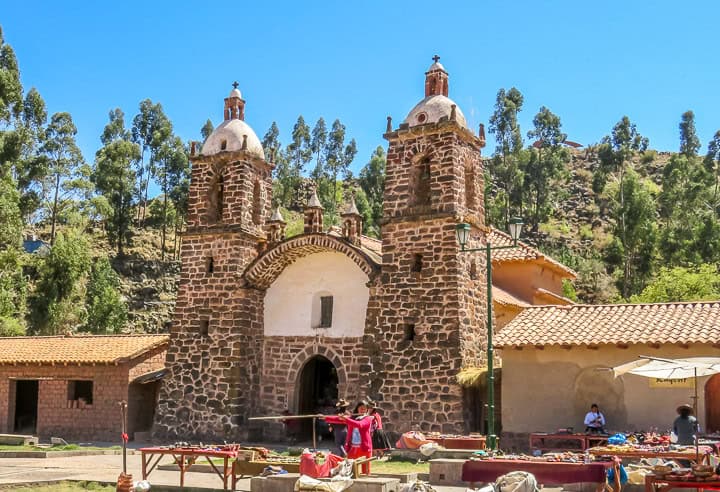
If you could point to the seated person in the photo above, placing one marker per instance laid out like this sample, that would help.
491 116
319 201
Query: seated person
594 420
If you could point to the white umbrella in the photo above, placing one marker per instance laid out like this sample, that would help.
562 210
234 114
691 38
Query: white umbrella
654 367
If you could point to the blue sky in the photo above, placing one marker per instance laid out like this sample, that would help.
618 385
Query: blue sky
589 62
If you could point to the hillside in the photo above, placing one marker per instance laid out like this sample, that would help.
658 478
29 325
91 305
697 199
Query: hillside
576 233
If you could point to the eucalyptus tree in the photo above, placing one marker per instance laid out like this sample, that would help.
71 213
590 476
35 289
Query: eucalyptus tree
65 163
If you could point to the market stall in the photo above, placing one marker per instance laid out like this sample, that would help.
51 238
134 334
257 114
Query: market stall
452 441
187 456
701 454
544 441
547 471
699 477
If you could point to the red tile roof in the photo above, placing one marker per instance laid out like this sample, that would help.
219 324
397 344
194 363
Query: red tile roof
621 324
503 297
523 252
80 349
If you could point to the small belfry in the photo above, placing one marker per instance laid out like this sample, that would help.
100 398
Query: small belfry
313 215
235 105
436 79
276 227
352 223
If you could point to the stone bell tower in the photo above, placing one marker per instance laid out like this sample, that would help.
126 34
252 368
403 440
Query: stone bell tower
217 329
428 320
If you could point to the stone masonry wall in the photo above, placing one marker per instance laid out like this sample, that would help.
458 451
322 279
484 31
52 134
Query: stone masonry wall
426 315
213 358
283 362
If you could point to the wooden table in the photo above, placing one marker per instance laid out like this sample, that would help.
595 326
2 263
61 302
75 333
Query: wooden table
186 457
546 472
657 484
664 455
460 442
539 440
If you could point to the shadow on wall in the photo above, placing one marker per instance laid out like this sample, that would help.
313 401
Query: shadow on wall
597 385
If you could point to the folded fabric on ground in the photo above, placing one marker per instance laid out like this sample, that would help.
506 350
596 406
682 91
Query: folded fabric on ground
310 484
412 440
309 464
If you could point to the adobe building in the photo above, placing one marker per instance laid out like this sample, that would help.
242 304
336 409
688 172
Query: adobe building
71 386
556 362
265 323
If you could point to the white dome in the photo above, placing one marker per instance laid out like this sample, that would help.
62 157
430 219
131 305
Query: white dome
436 66
431 109
231 132
235 93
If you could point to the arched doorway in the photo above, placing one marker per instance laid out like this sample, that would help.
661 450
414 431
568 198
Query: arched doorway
712 404
317 392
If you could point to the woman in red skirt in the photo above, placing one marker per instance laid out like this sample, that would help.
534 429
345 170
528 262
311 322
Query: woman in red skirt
359 433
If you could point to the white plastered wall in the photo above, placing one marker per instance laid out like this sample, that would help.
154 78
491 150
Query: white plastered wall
292 302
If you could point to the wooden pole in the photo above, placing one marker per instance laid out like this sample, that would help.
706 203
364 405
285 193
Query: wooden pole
314 420
283 417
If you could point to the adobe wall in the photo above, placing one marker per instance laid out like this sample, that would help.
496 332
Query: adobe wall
522 278
552 388
56 418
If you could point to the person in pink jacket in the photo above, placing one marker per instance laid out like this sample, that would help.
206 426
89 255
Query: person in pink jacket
359 436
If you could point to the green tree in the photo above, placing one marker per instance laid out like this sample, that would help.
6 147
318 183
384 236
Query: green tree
173 167
504 167
632 251
338 158
13 291
689 141
547 163
298 154
150 129
106 309
10 85
318 143
712 166
372 181
32 165
114 177
56 303
683 199
682 284
282 183
206 130
10 220
65 163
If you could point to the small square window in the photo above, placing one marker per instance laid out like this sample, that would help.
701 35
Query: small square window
417 263
81 390
204 327
409 330
223 144
326 311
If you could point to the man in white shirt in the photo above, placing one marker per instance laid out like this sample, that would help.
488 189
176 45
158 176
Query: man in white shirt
594 420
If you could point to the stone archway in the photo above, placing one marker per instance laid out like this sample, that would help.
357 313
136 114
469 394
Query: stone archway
309 365
263 271
317 392
712 404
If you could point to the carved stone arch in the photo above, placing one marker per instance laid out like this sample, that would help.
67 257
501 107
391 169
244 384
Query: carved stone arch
302 357
298 364
267 268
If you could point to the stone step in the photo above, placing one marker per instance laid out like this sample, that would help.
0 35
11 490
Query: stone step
446 471
18 440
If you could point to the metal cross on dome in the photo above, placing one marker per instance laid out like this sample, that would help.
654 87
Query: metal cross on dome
235 85
436 58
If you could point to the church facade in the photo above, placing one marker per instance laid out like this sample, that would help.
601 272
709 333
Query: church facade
266 324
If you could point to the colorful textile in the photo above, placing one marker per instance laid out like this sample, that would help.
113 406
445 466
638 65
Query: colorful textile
546 472
309 467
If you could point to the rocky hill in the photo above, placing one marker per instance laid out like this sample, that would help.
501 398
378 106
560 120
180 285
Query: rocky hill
575 234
